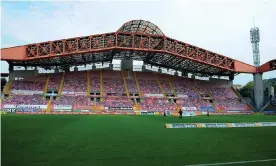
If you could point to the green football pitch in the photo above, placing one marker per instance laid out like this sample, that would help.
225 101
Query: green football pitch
87 140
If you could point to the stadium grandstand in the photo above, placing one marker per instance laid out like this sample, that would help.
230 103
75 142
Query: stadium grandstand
156 73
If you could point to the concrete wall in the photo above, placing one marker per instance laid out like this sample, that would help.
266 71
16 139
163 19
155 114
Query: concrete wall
271 92
258 91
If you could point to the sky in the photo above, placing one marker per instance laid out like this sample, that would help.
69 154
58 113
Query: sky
219 26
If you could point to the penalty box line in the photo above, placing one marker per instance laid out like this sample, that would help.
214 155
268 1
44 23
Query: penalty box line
237 162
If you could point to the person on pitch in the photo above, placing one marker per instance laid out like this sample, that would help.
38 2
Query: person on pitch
207 112
165 113
180 113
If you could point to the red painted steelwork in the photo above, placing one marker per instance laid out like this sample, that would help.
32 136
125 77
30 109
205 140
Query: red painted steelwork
145 37
268 66
127 41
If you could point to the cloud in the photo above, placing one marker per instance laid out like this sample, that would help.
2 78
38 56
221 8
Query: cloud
219 26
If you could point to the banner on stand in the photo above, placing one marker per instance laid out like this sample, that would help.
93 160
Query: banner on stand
62 107
189 108
80 93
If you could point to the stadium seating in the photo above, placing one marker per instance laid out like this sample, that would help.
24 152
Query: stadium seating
231 105
184 86
148 83
54 81
271 108
223 93
202 103
132 88
95 84
165 83
130 82
166 86
203 91
95 81
115 101
25 100
113 82
199 104
149 87
75 82
113 86
157 104
186 102
65 100
82 101
191 93
33 84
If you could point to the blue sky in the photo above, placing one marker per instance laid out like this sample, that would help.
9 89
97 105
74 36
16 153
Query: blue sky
219 26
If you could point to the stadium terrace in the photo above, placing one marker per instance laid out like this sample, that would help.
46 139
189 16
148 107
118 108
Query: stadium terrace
77 75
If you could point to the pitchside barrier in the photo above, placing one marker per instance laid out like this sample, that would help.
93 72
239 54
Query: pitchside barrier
270 112
219 125
76 112
67 109
117 112
79 113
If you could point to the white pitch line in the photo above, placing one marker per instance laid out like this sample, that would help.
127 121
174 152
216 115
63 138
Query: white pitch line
237 162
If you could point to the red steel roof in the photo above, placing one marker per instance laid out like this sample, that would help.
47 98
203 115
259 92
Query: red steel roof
137 40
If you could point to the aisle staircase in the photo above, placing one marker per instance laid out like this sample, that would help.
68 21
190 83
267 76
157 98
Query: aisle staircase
220 111
174 92
172 87
101 85
60 85
236 92
124 80
213 104
88 83
138 107
46 87
94 105
196 90
49 106
210 94
239 96
137 85
160 86
7 87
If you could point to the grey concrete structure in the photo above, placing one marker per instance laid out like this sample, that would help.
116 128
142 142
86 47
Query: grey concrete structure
15 74
258 91
271 92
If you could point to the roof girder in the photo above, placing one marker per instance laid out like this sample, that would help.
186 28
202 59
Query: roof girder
160 59
131 42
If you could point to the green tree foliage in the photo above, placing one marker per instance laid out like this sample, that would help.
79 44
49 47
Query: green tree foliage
246 90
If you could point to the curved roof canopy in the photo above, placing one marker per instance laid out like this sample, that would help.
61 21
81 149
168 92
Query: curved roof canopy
140 26
136 40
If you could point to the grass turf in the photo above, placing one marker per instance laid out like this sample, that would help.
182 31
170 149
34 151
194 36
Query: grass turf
82 140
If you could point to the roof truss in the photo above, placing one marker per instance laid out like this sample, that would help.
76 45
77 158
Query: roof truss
153 49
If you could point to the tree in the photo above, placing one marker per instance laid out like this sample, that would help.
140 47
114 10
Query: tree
247 89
